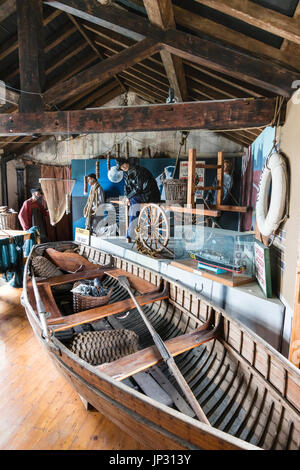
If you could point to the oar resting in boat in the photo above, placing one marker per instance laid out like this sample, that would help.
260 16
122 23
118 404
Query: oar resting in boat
167 356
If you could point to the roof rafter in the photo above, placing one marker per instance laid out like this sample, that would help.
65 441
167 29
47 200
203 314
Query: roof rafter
201 25
101 71
91 44
269 76
258 16
160 13
6 9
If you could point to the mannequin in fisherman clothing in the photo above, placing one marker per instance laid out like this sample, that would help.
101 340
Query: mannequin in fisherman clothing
33 213
140 187
96 197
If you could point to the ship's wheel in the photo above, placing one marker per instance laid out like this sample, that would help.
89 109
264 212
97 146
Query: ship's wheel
154 228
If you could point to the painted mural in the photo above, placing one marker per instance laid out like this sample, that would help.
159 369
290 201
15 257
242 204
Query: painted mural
252 165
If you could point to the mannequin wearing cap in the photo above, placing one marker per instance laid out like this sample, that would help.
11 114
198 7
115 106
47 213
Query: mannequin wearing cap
33 213
140 186
96 197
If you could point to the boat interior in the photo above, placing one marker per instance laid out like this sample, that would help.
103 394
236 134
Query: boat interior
239 382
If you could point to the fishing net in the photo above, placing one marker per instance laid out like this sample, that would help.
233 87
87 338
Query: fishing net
57 192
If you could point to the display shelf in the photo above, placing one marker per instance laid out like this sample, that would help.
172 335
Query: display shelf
191 265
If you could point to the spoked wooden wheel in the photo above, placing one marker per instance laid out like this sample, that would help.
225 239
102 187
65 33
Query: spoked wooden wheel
154 227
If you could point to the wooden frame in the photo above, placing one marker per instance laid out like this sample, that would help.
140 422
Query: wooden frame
200 50
192 165
294 350
211 115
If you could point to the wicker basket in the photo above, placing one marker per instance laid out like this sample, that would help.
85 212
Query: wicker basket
86 302
175 191
8 220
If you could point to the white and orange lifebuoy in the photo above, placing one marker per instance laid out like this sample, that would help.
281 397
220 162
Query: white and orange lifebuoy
269 218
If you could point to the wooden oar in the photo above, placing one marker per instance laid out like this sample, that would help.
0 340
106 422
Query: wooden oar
167 357
40 309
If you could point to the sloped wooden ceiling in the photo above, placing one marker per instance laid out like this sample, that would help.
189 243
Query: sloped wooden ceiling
256 32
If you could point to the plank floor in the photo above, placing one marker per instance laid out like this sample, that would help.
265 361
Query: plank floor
38 408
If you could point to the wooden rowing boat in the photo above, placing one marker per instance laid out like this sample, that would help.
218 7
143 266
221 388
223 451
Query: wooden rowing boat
249 392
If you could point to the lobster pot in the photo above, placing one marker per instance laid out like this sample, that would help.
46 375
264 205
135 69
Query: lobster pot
8 220
86 302
98 347
175 191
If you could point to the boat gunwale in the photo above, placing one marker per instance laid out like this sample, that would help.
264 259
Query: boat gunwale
58 347
216 433
201 297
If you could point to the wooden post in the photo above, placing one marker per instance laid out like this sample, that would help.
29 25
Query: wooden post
31 55
220 179
191 178
294 352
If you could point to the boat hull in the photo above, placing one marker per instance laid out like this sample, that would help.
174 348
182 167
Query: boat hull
158 426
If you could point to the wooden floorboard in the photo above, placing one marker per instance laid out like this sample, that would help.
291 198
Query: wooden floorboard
38 408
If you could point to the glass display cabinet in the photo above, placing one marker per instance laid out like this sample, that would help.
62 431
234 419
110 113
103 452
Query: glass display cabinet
223 255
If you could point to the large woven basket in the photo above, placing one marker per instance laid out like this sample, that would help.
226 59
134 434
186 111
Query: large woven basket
86 302
175 191
8 220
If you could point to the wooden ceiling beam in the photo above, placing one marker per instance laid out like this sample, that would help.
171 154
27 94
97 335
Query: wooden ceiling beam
87 38
85 100
211 115
101 72
12 44
233 63
7 95
57 39
7 8
21 147
160 13
31 55
157 94
82 64
258 16
201 25
243 87
65 56
112 18
150 62
288 48
241 65
234 138
144 73
228 92
72 103
117 91
142 94
206 90
59 60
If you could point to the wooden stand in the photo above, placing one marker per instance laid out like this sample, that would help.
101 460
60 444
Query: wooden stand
228 279
192 165
294 351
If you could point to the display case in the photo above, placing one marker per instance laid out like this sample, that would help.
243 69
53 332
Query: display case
223 255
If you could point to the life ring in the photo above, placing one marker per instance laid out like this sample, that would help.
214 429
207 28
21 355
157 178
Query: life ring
268 220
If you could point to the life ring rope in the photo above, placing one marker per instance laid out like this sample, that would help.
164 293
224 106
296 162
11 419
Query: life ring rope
275 169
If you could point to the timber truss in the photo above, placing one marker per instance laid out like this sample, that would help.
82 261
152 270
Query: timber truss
224 80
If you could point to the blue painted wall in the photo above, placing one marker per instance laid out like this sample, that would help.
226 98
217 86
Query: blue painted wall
84 167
